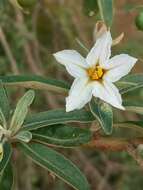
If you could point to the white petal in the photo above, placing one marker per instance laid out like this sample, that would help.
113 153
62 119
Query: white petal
101 51
119 66
109 93
74 62
79 94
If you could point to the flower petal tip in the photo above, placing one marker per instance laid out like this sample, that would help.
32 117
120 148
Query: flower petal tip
55 54
121 107
68 109
135 59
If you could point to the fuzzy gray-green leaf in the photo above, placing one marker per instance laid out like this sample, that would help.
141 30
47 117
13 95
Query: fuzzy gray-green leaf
7 178
103 112
130 83
134 106
52 117
4 102
35 82
21 111
56 163
2 119
24 136
6 156
62 135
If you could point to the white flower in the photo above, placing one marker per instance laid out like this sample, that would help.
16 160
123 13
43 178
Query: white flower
95 74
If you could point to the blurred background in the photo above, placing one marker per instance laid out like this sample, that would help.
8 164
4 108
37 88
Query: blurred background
29 35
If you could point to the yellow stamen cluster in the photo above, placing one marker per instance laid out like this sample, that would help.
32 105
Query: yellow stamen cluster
95 73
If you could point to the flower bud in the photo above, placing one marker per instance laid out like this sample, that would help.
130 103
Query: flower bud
27 4
1 152
140 149
139 21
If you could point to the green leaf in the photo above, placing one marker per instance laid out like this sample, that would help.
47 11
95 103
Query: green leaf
106 11
131 88
138 123
56 163
134 106
103 112
127 130
2 120
132 79
35 82
7 178
52 117
24 136
130 83
6 156
62 135
4 102
21 111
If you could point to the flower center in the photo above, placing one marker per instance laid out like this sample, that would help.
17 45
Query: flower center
95 73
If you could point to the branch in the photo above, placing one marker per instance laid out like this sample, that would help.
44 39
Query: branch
8 52
135 155
112 144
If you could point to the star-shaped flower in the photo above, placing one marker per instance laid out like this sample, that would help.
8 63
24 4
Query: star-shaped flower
95 74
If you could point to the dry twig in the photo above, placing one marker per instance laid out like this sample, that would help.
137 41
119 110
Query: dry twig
8 52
